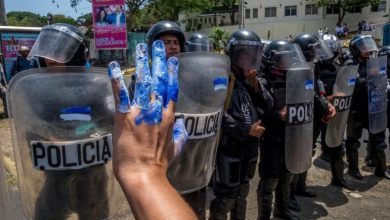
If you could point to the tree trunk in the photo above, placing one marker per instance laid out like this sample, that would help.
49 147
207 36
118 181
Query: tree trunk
341 15
232 18
3 16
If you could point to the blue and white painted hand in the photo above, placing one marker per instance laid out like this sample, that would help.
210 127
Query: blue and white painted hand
144 129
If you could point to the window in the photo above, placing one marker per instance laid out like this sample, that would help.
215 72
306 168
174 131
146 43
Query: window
209 20
380 7
355 9
311 10
270 12
290 11
332 10
247 13
255 13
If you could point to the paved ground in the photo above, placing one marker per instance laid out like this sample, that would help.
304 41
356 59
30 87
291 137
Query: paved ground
371 200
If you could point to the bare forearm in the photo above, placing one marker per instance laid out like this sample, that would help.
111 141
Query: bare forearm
151 196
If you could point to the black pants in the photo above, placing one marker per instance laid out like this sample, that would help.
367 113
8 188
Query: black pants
377 142
230 196
197 201
265 190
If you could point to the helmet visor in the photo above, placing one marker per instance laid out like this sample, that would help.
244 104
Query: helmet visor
247 57
287 57
321 51
366 44
200 45
56 43
333 45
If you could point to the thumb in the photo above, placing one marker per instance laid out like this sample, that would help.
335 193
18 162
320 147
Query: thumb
257 123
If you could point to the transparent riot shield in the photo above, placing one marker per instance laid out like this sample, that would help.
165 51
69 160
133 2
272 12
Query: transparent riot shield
377 94
299 120
61 123
342 99
203 81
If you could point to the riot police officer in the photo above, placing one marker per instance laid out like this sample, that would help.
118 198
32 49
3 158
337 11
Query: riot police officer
327 71
173 38
364 49
312 48
278 59
71 110
238 149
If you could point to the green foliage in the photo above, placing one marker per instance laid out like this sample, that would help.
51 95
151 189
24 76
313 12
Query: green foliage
63 19
219 37
26 19
344 6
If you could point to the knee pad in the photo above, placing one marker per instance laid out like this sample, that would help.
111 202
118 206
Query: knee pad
228 170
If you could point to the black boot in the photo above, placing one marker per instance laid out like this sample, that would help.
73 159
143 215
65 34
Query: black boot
380 164
219 208
301 187
293 204
285 215
353 158
238 211
337 168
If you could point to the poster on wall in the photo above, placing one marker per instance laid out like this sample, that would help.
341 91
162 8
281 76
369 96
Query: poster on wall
109 18
10 44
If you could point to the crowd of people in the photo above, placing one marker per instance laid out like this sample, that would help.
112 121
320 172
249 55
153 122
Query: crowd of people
278 100
365 26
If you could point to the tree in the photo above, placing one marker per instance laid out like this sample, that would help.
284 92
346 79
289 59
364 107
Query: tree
64 19
345 6
25 19
230 6
219 37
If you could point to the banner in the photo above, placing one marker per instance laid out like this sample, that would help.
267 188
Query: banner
109 18
10 44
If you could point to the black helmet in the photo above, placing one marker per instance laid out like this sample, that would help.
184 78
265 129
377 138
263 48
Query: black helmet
63 43
312 47
361 44
282 55
384 51
332 43
244 41
162 28
198 42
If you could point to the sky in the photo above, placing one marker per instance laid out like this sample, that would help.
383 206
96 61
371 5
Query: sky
43 7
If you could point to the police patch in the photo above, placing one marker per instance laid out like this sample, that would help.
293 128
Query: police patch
201 125
71 155
342 103
298 114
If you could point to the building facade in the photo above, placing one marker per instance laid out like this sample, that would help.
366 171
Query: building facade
277 19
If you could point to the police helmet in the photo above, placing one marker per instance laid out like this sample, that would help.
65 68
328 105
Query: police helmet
361 44
199 42
162 28
282 55
384 51
248 43
332 43
312 47
63 43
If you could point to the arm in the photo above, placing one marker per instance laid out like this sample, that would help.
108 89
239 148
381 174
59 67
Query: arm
143 143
